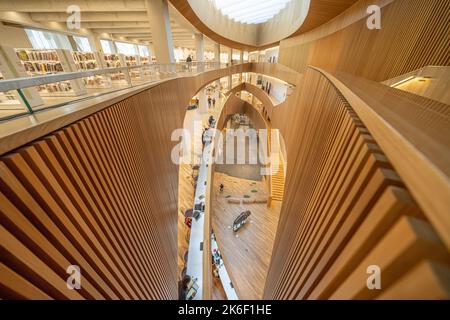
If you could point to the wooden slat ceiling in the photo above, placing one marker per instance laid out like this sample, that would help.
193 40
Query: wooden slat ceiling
319 13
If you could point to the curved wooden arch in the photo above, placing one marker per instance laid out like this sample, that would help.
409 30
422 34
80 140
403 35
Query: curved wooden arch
367 162
235 105
319 13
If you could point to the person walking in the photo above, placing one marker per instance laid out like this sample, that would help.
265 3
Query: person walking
209 101
214 102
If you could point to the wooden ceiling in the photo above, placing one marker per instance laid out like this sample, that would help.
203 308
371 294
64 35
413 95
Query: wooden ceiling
320 12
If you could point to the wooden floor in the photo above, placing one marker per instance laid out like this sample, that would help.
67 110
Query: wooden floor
247 256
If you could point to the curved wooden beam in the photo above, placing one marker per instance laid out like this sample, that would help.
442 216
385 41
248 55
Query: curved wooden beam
256 91
319 13
185 9
418 146
235 105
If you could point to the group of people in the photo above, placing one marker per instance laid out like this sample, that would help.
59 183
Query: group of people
211 101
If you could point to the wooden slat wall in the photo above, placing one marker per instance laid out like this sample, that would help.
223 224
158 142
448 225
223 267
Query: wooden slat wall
91 194
96 188
102 192
414 34
345 208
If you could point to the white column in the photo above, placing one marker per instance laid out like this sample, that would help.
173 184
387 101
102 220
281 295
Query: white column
158 16
216 52
217 60
230 58
203 104
199 47
241 60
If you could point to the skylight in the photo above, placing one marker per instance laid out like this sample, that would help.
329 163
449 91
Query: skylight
250 11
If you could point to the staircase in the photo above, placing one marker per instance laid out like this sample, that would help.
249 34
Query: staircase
278 183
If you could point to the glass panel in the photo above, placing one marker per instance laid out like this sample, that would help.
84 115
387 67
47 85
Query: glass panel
126 48
48 40
144 51
107 46
83 44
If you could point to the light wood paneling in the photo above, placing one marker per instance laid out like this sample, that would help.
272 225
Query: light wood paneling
185 9
258 93
232 106
431 82
100 190
414 34
343 199
319 13
91 195
429 280
96 188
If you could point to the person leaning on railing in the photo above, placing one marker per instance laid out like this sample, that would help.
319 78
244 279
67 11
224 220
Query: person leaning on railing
189 62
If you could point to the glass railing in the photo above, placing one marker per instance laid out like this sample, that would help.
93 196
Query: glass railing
22 96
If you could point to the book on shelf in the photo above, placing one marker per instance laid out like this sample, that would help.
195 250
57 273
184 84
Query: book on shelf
37 55
116 61
48 61
85 60
8 98
12 68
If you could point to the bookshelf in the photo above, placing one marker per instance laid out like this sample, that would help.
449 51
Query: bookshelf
89 61
136 74
12 68
145 60
51 61
9 100
114 60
